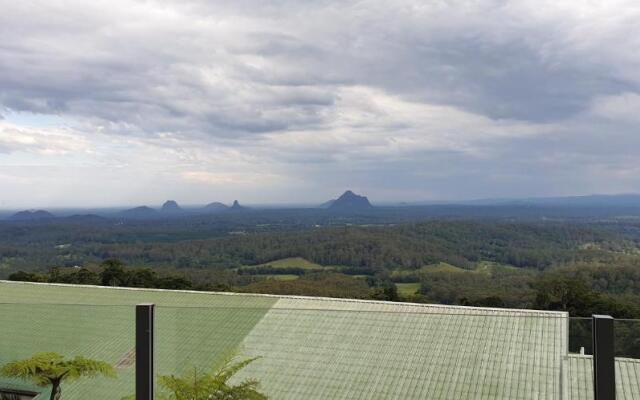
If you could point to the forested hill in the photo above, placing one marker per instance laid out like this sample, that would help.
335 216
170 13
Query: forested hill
409 246
460 243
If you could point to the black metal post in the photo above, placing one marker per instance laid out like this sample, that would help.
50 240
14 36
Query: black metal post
604 372
144 351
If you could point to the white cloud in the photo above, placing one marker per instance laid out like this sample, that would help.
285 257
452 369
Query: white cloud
41 142
230 178
622 108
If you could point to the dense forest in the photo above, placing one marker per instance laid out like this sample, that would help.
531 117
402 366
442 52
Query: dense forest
461 243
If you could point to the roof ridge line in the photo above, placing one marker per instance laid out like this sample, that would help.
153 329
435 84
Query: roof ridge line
328 299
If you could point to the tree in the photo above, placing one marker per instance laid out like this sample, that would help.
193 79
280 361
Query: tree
46 369
22 276
565 294
114 273
212 385
174 283
144 278
83 276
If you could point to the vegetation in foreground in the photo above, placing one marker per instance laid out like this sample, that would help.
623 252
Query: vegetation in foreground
52 369
211 385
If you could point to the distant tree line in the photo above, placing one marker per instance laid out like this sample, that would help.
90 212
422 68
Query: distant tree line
113 272
369 249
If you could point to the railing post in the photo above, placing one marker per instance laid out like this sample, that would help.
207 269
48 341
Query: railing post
604 373
144 351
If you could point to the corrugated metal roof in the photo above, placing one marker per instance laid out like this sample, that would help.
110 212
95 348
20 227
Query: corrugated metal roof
318 349
578 378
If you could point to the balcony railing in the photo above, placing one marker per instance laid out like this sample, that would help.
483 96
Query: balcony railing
325 349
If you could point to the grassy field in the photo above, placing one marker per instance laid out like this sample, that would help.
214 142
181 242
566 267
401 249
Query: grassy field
284 277
431 268
285 264
407 289
442 267
483 268
489 268
293 262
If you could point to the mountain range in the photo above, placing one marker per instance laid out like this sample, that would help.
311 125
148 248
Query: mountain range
621 205
171 208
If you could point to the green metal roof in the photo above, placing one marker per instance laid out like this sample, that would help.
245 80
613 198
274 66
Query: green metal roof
578 378
310 348
322 349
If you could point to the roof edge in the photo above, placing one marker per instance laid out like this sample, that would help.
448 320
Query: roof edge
590 357
333 299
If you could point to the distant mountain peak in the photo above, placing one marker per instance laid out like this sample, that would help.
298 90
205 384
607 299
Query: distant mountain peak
236 206
32 215
142 212
350 201
215 206
170 206
140 208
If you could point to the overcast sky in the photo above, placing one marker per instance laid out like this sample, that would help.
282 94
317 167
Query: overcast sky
134 102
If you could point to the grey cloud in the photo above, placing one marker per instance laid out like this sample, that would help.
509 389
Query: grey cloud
508 81
234 75
156 71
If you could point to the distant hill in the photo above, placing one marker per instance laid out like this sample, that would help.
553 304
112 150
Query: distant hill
237 207
85 218
593 201
327 204
28 215
170 207
215 207
140 212
350 201
619 200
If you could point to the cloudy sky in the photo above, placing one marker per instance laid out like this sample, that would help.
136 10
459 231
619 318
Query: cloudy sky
133 102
